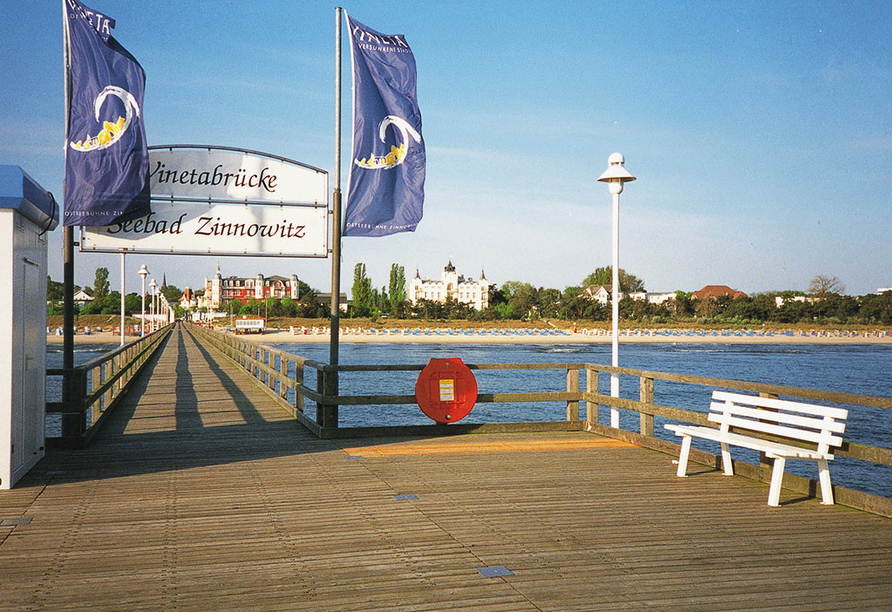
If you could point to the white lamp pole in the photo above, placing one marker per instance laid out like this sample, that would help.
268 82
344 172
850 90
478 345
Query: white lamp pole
122 297
143 272
152 286
615 176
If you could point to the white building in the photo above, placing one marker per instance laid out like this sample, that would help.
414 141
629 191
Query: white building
451 285
82 298
600 293
603 294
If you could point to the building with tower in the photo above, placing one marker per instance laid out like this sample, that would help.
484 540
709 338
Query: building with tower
451 285
219 290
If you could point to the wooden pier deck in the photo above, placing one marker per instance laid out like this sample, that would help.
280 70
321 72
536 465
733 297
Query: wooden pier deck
201 494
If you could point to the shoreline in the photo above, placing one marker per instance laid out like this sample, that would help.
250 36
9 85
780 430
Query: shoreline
508 336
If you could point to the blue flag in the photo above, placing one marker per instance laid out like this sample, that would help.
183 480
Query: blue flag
386 190
106 159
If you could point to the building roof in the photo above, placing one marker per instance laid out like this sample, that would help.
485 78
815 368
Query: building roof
714 291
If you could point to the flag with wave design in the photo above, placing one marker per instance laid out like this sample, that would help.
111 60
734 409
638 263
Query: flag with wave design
106 156
386 190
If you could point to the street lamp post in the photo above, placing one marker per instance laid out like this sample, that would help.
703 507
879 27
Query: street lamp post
143 272
152 286
615 175
123 295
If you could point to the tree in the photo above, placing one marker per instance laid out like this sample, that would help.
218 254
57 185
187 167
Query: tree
234 306
628 283
172 293
101 285
522 298
397 286
55 291
821 286
273 307
289 308
362 292
132 303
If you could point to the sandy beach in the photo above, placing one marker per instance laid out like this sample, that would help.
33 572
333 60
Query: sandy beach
531 336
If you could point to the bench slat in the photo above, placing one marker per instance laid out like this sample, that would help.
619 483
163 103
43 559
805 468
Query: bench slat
770 402
811 422
766 446
778 430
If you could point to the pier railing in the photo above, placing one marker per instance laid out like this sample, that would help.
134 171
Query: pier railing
95 387
283 376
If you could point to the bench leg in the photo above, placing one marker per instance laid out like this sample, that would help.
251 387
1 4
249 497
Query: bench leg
777 476
824 475
727 466
683 456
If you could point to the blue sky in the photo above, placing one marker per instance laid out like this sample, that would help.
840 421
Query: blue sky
760 133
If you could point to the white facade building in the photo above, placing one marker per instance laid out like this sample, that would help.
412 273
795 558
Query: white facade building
603 294
451 285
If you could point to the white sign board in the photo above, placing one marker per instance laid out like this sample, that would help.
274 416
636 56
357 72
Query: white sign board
208 201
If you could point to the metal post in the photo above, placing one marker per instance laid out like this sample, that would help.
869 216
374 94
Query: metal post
333 357
142 321
122 297
336 206
614 378
67 247
68 316
615 176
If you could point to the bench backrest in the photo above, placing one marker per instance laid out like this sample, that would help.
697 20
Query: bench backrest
792 420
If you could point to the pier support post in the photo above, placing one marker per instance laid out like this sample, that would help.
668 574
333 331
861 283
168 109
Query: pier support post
591 386
327 386
646 396
573 387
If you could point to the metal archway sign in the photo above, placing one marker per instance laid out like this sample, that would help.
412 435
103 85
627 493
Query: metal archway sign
210 200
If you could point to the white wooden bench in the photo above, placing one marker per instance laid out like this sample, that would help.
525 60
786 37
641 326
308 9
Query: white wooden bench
794 421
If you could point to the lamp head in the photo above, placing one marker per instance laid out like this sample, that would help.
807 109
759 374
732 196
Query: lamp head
616 174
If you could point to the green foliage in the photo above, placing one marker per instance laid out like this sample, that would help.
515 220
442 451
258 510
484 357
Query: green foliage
54 291
397 286
363 296
628 283
110 304
273 307
288 307
132 304
101 285
234 306
311 308
172 293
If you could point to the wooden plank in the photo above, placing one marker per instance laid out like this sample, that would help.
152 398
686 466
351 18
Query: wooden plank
492 446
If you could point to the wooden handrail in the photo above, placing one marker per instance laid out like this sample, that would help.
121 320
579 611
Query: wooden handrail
98 385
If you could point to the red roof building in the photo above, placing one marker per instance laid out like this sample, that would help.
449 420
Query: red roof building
714 291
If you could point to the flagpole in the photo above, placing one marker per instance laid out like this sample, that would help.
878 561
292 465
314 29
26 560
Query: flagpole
336 205
68 246
336 230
